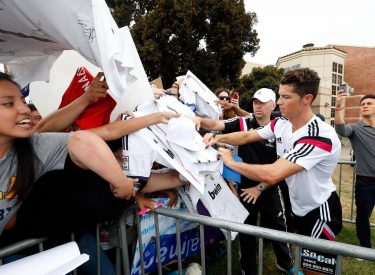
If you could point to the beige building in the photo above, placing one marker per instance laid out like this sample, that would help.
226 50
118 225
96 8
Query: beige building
249 66
328 62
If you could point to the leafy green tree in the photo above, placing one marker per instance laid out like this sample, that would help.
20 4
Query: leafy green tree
208 37
127 11
266 77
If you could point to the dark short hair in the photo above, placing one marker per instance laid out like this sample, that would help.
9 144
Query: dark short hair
9 77
32 107
366 97
305 81
221 89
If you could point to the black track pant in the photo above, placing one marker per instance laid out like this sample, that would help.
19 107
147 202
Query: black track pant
270 208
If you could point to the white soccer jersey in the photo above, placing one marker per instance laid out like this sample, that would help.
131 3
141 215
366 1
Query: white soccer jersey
219 200
195 94
148 145
196 163
137 155
316 147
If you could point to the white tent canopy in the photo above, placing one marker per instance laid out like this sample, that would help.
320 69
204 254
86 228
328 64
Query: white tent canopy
34 33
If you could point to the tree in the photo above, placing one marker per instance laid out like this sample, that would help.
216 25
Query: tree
127 11
208 37
267 77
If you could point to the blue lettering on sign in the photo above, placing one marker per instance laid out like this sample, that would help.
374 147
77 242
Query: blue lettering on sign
148 229
168 250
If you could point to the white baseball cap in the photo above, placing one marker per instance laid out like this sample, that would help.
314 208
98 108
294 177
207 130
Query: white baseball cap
265 95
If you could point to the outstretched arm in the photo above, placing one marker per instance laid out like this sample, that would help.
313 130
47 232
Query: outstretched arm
267 173
89 151
120 128
234 107
208 124
162 181
61 119
340 127
340 108
236 138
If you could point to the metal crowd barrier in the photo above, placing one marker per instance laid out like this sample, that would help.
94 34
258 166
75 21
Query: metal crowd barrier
19 246
299 241
126 237
342 164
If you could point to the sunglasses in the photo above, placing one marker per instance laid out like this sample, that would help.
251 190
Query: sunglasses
224 98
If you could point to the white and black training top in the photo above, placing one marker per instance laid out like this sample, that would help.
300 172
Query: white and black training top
316 147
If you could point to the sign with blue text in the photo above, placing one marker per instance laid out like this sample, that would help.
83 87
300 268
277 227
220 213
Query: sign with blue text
190 241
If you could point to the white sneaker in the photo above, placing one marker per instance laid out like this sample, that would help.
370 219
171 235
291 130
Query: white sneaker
193 269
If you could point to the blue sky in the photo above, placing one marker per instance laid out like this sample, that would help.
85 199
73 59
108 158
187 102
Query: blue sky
284 26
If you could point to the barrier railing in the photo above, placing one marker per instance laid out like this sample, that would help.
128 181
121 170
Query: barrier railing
14 248
123 256
340 249
341 164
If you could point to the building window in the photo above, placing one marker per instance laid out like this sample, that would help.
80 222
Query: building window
334 90
333 101
340 68
333 112
296 67
334 78
333 123
334 67
339 79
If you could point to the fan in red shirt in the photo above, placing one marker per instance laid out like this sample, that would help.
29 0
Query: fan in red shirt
97 113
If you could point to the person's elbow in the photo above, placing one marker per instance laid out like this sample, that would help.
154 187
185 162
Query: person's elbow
77 137
81 143
75 140
340 129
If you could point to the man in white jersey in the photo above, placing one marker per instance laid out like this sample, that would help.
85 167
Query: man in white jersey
308 151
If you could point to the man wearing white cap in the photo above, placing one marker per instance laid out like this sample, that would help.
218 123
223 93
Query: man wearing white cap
269 205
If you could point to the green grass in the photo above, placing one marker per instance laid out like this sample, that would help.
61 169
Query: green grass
351 265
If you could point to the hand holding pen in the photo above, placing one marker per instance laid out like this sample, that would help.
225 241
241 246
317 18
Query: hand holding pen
212 138
144 211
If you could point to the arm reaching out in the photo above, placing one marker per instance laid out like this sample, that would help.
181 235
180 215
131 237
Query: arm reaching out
208 124
236 138
270 174
340 108
88 151
120 128
61 119
231 106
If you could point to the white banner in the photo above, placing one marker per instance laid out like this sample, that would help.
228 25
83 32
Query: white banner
34 33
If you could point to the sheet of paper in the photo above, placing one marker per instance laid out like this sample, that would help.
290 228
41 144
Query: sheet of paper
58 260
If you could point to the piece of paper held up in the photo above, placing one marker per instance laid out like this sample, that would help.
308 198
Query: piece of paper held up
58 260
